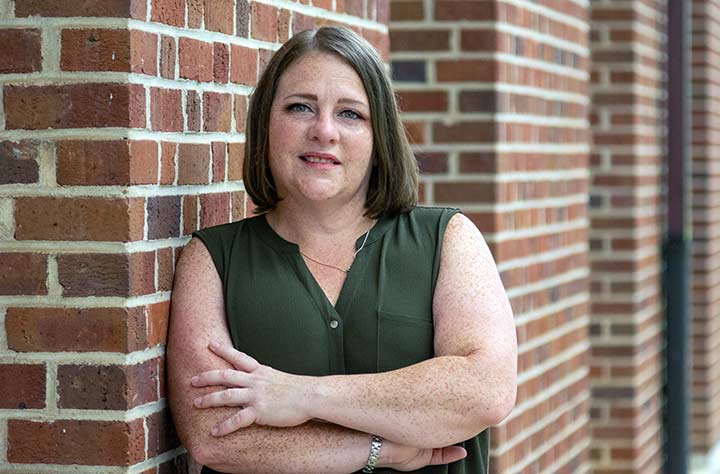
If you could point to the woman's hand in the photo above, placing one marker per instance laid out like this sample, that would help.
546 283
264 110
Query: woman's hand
408 458
266 396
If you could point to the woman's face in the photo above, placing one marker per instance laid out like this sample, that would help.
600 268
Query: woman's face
321 137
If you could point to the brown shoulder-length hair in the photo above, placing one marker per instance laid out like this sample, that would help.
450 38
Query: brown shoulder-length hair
394 177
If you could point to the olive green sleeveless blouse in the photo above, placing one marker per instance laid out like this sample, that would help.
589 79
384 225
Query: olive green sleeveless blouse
383 320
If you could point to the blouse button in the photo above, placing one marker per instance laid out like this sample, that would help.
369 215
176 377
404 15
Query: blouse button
334 324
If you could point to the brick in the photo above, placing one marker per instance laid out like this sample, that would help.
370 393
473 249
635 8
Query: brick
169 12
243 65
420 40
479 10
237 203
107 274
168 150
18 162
408 71
83 442
432 163
219 161
217 112
107 387
158 318
75 329
166 109
165 269
168 57
220 16
195 60
103 162
23 274
406 10
302 22
465 192
22 386
479 40
264 22
264 56
214 209
195 13
382 11
193 110
221 63
163 217
283 25
95 50
21 51
464 132
177 465
236 154
240 113
193 163
423 101
324 4
190 209
74 106
481 70
162 436
84 8
143 53
66 218
415 132
242 17
478 101
380 41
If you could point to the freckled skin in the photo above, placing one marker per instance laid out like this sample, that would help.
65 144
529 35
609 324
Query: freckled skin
420 409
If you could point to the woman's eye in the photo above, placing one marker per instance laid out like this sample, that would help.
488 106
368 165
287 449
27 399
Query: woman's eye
351 114
298 108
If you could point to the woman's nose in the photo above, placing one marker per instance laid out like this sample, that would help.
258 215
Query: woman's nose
324 128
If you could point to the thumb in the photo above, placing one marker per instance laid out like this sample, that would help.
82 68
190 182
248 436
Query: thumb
447 455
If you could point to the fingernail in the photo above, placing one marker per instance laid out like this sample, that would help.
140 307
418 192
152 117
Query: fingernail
197 402
214 345
214 431
194 379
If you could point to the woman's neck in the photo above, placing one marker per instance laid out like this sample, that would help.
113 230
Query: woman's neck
311 226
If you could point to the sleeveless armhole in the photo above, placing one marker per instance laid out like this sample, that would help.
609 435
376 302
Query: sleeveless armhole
443 221
214 241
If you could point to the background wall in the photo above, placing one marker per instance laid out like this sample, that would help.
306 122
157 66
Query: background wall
121 132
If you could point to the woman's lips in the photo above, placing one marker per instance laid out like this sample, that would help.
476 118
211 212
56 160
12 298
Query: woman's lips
320 158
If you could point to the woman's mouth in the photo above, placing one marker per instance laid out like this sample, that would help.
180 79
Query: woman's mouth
320 159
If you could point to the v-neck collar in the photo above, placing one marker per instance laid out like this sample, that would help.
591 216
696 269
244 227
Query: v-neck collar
354 274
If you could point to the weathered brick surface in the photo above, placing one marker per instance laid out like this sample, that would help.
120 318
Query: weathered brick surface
107 387
73 106
21 51
49 218
23 274
84 442
75 329
102 162
22 386
18 162
93 220
107 274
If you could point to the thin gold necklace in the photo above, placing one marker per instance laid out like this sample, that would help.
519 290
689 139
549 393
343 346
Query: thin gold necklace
333 266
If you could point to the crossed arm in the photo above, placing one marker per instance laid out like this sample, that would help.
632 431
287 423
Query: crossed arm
420 409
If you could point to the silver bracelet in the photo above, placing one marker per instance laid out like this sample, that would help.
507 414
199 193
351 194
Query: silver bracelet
375 446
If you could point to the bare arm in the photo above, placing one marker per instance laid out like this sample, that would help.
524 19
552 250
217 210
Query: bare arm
468 386
198 317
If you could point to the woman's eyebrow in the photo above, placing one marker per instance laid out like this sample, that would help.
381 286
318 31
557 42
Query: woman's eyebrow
313 97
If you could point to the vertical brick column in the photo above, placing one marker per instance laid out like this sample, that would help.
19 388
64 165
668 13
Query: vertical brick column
705 329
121 132
628 110
494 95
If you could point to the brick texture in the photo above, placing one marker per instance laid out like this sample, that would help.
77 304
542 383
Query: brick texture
626 232
477 114
118 139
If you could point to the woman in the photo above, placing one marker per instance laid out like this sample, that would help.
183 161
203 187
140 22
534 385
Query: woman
374 334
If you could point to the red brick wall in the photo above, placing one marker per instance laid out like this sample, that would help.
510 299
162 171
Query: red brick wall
705 342
121 132
628 44
495 99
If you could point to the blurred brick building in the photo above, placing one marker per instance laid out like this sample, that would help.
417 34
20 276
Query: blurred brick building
121 132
